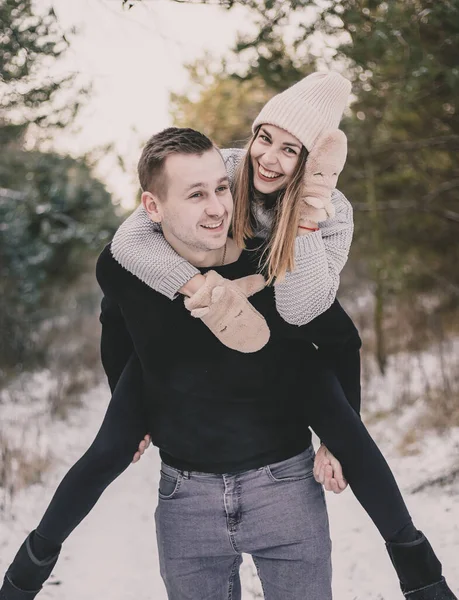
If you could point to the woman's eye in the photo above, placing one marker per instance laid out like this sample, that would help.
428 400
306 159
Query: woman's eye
265 138
290 150
222 188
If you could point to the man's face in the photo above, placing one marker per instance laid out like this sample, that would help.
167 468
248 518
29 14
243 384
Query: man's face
196 206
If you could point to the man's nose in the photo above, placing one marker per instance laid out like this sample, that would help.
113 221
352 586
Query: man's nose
215 206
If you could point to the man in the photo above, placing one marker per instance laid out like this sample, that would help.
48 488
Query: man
231 426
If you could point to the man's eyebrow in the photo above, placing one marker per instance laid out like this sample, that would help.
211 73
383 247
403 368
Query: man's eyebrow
205 185
194 185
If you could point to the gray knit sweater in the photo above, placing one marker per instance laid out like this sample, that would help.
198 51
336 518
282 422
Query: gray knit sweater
305 293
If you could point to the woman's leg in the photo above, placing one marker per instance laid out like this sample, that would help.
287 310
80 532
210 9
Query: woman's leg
123 427
344 434
342 431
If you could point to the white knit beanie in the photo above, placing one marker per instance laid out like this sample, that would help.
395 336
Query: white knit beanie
310 107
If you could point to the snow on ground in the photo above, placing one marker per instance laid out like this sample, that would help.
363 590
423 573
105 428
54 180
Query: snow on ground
113 552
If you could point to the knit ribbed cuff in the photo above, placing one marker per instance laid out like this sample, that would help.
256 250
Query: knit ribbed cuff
305 244
176 279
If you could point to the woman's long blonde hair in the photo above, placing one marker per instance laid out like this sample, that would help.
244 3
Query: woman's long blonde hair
278 255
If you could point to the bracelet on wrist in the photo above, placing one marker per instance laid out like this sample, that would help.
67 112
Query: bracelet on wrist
309 228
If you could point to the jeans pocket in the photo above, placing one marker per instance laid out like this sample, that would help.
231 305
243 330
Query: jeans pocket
293 469
169 485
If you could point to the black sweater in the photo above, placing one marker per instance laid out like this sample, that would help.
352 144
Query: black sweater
214 409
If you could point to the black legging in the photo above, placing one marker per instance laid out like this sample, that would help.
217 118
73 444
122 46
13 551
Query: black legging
124 426
365 468
112 451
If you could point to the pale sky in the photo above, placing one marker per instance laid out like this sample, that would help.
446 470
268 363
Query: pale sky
134 58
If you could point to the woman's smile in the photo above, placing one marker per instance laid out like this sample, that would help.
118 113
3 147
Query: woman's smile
267 174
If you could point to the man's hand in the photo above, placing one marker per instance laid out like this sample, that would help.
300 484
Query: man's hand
142 447
328 471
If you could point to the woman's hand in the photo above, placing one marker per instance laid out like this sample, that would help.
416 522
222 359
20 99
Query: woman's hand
328 471
192 286
323 166
223 306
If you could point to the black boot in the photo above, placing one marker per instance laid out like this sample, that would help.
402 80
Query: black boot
24 568
419 570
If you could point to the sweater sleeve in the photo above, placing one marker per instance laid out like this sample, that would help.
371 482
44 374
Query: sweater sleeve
311 287
140 247
116 344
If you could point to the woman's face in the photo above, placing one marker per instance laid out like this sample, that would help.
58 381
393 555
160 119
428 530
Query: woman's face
274 155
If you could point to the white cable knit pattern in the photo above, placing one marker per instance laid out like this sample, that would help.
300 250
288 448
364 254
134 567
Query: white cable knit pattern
311 287
140 247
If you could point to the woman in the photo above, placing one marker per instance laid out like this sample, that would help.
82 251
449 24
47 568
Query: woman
123 425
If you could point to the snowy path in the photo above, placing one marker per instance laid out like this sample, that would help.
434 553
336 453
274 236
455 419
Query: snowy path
113 553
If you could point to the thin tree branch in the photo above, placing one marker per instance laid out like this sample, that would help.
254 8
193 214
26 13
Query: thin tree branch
442 141
385 206
394 205
440 481
424 204
224 3
447 215
443 187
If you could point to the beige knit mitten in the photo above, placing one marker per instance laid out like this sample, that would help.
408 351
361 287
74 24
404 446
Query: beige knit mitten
223 306
323 166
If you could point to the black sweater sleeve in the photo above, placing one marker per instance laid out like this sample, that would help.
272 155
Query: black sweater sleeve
116 345
338 343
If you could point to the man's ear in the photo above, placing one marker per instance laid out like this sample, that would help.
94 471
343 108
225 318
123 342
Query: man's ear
151 204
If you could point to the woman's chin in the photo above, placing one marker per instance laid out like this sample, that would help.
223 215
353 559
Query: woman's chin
266 187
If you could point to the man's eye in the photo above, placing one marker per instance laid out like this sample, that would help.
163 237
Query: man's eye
222 188
196 195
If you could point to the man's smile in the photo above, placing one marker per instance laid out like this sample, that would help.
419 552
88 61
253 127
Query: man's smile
214 226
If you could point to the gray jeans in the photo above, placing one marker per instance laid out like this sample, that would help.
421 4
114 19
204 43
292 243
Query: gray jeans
276 513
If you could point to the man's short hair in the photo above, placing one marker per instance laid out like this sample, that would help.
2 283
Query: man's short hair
173 140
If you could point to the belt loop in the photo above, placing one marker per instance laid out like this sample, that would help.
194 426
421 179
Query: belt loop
186 474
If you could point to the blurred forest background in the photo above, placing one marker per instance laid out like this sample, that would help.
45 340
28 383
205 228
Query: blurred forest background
401 284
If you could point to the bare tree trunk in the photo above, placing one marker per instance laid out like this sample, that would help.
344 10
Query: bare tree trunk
377 267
